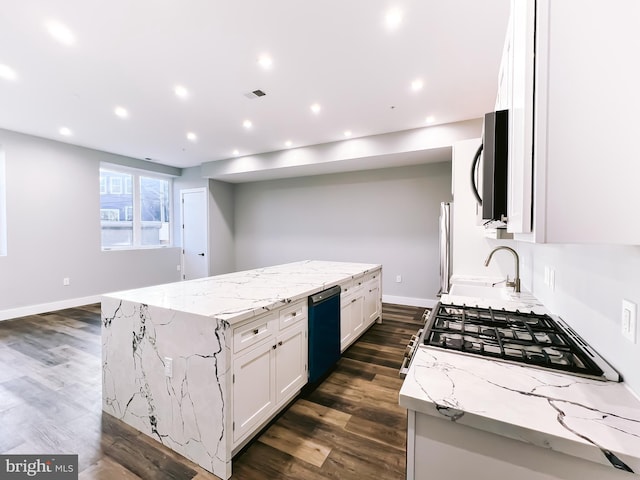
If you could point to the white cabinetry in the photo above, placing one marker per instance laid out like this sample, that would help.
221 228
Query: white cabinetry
269 367
446 450
583 106
360 306
515 93
351 316
372 298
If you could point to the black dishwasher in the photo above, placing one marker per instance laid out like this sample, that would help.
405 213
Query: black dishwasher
324 332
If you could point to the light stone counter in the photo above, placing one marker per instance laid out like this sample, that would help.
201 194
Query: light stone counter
191 323
234 297
587 419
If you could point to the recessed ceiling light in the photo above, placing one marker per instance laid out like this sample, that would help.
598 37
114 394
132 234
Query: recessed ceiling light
265 61
393 18
236 153
288 143
192 136
7 72
65 131
417 85
315 108
430 119
60 32
247 124
347 133
121 112
181 91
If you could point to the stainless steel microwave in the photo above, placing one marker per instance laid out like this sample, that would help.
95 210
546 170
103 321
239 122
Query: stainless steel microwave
489 170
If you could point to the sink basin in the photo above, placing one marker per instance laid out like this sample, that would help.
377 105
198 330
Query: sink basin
481 291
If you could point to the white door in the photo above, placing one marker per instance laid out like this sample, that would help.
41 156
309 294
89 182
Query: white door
195 255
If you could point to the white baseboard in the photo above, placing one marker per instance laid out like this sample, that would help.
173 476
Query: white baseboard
410 301
47 307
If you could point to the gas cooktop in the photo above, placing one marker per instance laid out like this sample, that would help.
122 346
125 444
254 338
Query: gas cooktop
519 337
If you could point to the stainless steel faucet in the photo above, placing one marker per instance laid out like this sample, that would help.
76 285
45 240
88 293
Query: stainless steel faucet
516 281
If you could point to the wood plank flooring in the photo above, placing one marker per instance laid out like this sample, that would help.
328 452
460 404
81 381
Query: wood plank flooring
348 427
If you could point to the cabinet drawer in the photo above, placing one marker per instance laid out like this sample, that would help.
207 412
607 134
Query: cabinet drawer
346 286
372 276
358 281
293 314
253 332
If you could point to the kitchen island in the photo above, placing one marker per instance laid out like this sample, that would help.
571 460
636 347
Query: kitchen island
203 365
472 417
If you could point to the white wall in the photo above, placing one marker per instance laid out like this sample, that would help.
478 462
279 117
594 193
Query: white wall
53 230
590 283
470 245
221 227
387 216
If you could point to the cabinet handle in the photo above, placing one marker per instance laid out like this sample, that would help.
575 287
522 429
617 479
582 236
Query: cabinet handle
255 331
280 343
353 300
474 186
274 347
294 314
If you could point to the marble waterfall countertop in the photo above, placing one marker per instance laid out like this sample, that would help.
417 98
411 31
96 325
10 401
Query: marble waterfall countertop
234 297
590 419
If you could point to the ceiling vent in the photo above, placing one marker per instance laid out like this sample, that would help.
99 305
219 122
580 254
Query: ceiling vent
255 94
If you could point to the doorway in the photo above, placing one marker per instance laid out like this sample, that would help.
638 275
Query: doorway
195 233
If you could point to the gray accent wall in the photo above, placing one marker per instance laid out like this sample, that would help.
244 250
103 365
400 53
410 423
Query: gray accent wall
221 227
590 283
53 229
387 216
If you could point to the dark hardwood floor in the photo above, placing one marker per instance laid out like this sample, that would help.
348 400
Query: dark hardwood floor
348 427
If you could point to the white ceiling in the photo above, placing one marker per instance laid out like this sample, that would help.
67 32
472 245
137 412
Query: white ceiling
338 53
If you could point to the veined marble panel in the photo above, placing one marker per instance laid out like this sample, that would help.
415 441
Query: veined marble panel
186 412
190 322
590 419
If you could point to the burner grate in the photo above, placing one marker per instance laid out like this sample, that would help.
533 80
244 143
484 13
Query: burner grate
519 337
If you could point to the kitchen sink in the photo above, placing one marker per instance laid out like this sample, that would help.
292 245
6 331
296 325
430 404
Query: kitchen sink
481 291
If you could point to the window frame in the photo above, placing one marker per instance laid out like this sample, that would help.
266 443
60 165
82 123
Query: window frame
136 175
3 204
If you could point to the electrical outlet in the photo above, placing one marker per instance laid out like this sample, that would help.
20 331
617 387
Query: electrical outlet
398 278
178 267
168 367
66 281
629 310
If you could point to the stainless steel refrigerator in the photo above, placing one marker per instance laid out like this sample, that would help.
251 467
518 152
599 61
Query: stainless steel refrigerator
445 247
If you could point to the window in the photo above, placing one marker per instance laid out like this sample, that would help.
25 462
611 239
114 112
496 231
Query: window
137 215
115 184
3 206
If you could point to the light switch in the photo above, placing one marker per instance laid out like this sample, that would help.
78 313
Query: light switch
629 310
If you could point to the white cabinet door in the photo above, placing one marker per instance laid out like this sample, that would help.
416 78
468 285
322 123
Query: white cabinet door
346 332
584 113
352 317
357 314
291 362
254 393
372 303
520 39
